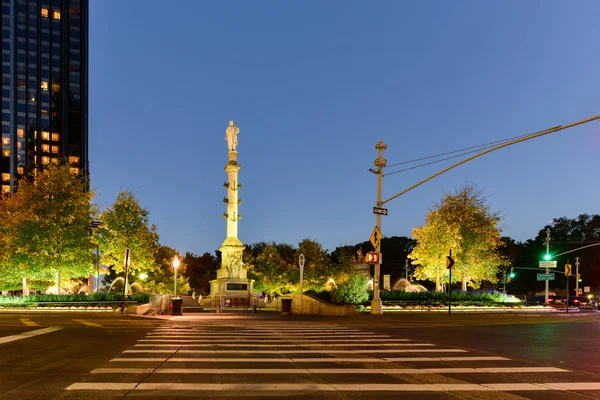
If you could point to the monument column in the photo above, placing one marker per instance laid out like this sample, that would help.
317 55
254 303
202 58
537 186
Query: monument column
232 276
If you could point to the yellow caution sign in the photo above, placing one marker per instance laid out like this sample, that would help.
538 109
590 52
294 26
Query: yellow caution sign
375 237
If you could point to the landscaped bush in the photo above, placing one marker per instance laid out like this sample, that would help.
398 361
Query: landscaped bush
352 292
72 298
458 297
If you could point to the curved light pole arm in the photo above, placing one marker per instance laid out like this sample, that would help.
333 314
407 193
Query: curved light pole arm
528 137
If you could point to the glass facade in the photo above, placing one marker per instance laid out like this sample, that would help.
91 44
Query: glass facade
44 86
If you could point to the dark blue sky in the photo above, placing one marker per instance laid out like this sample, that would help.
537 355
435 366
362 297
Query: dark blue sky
314 85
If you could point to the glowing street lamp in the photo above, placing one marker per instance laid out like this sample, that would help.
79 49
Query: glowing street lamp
175 266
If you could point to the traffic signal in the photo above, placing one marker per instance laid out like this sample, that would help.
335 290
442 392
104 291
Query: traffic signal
512 273
547 257
579 278
372 258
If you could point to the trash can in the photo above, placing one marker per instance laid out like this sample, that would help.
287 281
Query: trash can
177 302
286 306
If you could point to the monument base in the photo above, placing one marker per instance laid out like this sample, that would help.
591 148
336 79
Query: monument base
224 287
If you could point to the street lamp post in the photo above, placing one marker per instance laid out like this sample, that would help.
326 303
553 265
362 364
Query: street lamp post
91 227
175 266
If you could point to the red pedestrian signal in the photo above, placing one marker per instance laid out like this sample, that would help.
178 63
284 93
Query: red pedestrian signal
372 258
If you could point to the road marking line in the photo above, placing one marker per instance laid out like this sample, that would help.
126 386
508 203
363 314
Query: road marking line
346 387
263 340
271 345
102 386
245 335
152 359
25 335
415 359
28 322
359 371
151 351
122 371
88 323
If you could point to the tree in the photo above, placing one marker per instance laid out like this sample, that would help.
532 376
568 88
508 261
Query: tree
274 270
200 270
463 223
352 292
45 226
318 267
125 225
161 275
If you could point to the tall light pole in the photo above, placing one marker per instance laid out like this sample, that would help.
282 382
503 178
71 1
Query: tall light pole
175 266
576 276
547 257
380 162
91 227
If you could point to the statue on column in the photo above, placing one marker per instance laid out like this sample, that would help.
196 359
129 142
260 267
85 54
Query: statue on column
231 136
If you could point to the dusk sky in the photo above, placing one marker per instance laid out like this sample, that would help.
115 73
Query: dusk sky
314 85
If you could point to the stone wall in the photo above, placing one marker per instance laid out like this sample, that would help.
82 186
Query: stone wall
311 306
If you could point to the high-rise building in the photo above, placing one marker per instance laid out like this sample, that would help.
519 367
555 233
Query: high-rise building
44 87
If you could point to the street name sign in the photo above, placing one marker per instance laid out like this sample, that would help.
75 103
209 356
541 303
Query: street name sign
547 264
545 277
379 210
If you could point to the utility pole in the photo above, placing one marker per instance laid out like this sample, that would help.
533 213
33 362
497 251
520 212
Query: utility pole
547 269
504 279
576 276
380 162
406 268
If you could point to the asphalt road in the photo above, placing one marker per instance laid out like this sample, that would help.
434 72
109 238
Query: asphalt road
87 356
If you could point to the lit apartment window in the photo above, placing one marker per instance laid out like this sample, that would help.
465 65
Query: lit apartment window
5 177
45 12
19 145
44 85
45 135
5 141
74 159
54 160
56 14
5 153
54 149
55 137
74 171
5 189
20 170
56 87
45 160
20 132
46 148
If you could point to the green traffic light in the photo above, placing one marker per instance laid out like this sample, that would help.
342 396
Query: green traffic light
580 280
547 257
512 274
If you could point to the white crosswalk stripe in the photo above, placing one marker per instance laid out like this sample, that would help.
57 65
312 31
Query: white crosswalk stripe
309 359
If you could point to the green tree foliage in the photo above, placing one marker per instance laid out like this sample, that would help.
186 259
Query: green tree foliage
462 222
200 270
125 225
318 267
44 227
273 269
354 291
161 276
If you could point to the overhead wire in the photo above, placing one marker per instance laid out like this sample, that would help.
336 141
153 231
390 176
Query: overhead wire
484 145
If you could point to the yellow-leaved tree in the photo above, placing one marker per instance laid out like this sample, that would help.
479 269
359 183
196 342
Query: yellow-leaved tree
461 222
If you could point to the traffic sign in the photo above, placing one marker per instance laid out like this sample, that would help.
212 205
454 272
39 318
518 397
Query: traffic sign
545 277
449 262
379 210
547 264
375 237
372 257
568 270
586 289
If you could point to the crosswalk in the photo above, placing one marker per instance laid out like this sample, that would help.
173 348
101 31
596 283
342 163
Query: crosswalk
313 361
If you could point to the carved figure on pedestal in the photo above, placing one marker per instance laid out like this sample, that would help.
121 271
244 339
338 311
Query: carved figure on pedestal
235 265
231 136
